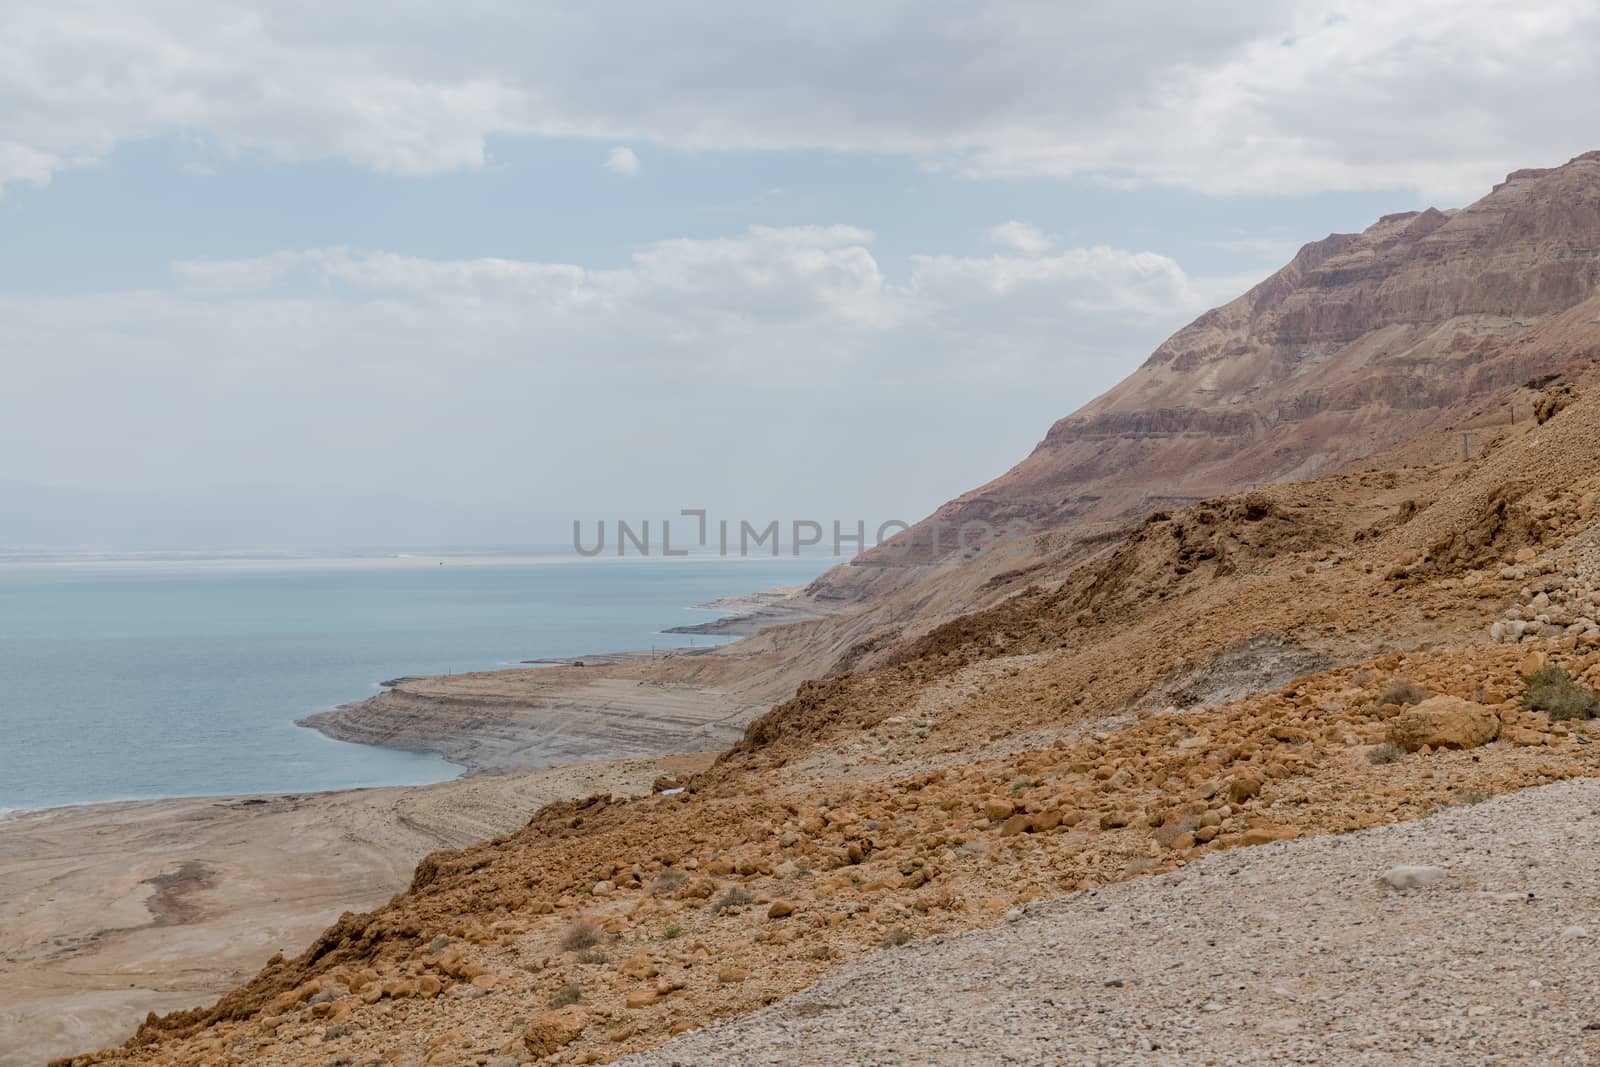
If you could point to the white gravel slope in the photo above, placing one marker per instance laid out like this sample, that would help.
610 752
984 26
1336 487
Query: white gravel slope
1287 953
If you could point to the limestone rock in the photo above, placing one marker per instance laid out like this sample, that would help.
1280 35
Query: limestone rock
1444 722
998 809
1404 877
554 1030
1244 787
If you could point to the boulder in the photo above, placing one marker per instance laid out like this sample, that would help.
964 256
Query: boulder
997 809
1244 787
554 1030
1444 722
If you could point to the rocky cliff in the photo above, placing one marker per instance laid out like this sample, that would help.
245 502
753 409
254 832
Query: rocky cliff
1361 342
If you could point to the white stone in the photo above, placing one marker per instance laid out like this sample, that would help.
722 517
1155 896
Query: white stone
1412 877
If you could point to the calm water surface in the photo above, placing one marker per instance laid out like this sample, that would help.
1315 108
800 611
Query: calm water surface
182 679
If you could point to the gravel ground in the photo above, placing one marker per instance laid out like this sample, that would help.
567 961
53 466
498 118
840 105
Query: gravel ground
1286 953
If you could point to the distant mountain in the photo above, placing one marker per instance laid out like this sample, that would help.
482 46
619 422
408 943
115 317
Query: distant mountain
1362 342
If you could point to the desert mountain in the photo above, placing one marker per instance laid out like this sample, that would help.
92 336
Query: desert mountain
1132 720
1423 321
1332 646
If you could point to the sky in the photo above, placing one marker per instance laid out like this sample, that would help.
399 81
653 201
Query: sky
334 274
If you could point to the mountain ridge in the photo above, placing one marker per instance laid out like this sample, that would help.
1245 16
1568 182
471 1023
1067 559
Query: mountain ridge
1359 342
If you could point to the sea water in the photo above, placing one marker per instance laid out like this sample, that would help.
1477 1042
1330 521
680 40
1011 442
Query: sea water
162 678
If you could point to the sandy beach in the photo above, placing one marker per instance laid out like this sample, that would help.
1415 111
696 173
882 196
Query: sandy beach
110 911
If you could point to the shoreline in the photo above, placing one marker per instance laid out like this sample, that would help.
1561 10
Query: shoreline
511 720
119 907
557 711
337 723
750 613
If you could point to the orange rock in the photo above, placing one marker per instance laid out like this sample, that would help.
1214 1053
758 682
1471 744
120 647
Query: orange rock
554 1030
997 809
1444 722
1017 824
1243 787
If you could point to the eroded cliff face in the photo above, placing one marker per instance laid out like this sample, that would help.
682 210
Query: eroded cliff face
1360 343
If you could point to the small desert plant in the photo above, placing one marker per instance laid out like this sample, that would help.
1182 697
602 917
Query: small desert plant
737 897
1388 752
580 935
1022 783
336 1031
1403 691
570 993
667 883
592 955
672 932
1553 691
900 937
1471 796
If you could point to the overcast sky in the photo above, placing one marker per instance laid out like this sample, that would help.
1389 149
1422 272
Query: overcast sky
503 265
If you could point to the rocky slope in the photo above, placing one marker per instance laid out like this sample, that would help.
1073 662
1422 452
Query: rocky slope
1133 718
1365 340
1293 953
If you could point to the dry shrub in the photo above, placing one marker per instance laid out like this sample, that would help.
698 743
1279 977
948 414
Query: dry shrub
1554 692
1403 691
580 935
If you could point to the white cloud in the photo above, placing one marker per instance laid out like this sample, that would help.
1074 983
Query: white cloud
1020 237
481 380
622 161
1087 281
1258 96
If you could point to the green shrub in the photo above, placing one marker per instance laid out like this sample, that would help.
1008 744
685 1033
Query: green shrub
1554 692
672 932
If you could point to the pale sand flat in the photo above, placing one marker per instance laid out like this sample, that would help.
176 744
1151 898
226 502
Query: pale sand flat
109 911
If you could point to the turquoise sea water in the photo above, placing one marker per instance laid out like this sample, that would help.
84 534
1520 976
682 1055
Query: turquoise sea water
162 679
